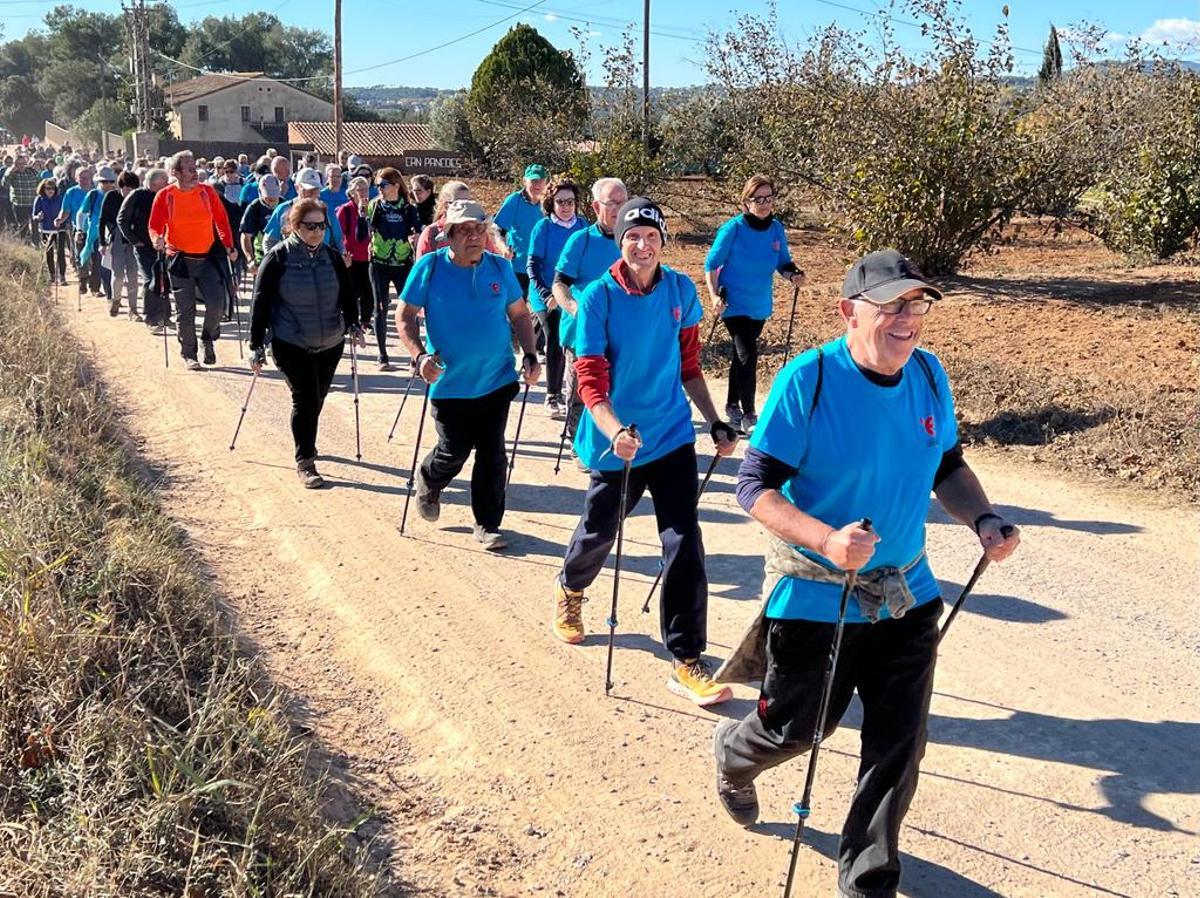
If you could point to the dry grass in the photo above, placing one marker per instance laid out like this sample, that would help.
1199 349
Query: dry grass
140 753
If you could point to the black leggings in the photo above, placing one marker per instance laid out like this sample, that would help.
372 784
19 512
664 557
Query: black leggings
55 245
743 371
554 355
309 376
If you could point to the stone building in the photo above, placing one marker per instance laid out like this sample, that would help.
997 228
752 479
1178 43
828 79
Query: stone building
243 108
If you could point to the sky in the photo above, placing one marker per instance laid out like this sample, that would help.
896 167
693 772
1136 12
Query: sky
386 46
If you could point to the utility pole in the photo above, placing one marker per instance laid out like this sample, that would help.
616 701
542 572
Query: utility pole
645 86
138 30
337 80
103 104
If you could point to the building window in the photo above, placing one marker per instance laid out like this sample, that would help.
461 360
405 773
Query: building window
245 113
279 115
203 113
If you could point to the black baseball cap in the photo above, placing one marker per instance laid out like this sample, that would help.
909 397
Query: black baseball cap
882 276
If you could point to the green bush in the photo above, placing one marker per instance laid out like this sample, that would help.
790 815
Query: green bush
1148 203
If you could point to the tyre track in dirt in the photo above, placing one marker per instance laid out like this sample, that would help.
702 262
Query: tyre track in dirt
1062 738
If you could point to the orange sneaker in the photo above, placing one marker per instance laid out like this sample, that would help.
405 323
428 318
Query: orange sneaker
568 613
694 681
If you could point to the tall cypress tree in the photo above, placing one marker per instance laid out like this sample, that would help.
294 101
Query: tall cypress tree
1051 69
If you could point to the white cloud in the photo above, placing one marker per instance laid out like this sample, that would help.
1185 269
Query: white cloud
551 17
1173 32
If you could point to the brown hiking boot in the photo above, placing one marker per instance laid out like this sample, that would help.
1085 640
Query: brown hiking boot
307 472
568 613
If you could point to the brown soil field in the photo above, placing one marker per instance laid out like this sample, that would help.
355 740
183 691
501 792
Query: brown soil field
1057 349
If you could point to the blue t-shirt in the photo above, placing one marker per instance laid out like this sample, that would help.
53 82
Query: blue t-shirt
588 254
869 451
334 198
640 337
466 321
748 260
73 202
333 231
545 247
518 216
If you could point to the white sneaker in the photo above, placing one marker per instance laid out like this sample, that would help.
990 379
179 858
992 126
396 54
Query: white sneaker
491 540
749 422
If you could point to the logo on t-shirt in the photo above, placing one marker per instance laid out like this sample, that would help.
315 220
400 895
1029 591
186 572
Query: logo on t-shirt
496 288
677 311
775 246
927 423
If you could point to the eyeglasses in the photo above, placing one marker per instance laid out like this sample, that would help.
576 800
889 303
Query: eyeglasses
896 306
313 225
612 204
762 200
569 201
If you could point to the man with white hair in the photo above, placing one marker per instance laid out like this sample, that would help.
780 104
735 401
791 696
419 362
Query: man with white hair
862 427
133 220
586 256
183 219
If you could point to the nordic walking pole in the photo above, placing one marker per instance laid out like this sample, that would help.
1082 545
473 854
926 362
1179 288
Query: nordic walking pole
716 317
245 405
237 312
612 617
966 590
354 381
712 466
802 807
160 285
791 321
403 399
562 437
416 452
512 458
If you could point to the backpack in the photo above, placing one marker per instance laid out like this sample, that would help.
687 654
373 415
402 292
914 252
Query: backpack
921 360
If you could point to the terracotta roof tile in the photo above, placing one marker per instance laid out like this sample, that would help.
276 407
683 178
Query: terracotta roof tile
363 138
183 91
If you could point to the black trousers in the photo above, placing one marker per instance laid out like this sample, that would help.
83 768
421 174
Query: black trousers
191 279
156 300
360 277
743 370
672 482
891 664
308 376
54 243
554 355
475 424
384 277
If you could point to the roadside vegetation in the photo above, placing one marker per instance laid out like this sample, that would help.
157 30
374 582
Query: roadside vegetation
141 753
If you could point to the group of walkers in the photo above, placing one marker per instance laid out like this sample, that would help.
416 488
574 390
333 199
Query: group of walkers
854 436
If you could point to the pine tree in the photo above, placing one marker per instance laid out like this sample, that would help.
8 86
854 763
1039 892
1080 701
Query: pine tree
1051 69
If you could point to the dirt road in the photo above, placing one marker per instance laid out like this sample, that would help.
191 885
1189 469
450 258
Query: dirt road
1063 738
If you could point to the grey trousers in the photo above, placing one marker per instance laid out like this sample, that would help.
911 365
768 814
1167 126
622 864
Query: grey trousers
891 665
189 275
124 275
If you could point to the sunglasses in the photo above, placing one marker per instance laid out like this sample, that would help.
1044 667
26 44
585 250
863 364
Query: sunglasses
762 200
569 201
313 225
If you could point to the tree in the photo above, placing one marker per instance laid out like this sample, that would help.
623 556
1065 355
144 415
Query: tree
104 115
920 150
527 101
257 42
450 127
22 110
1052 62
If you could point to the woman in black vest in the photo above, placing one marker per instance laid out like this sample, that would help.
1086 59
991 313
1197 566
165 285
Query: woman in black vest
304 294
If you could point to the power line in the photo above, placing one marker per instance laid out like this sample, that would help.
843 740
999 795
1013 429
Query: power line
369 68
610 22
